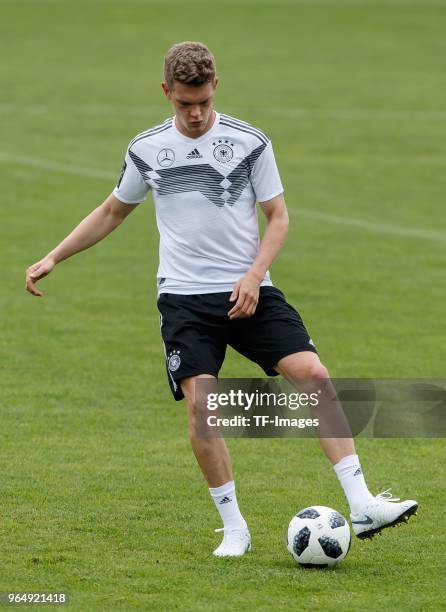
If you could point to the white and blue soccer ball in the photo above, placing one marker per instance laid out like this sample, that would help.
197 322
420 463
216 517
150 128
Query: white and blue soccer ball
318 536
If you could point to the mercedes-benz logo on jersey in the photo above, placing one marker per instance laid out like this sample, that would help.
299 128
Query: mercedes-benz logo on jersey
223 151
166 157
174 361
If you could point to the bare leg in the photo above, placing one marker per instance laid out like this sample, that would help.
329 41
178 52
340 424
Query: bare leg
211 452
307 366
213 458
305 371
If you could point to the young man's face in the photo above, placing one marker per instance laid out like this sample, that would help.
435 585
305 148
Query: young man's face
193 106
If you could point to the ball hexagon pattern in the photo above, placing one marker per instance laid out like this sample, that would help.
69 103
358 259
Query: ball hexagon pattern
318 536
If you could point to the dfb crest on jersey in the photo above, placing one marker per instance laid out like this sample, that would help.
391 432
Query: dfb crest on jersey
166 157
223 151
174 361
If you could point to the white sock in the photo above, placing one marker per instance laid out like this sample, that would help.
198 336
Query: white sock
226 502
352 481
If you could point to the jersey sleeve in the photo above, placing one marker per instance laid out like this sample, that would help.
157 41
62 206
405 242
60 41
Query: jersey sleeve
131 187
265 177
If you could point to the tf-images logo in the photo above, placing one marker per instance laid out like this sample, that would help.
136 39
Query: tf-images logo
223 151
166 157
174 361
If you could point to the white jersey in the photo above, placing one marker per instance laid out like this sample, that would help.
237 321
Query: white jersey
205 191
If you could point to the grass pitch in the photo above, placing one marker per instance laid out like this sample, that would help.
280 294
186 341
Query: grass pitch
100 494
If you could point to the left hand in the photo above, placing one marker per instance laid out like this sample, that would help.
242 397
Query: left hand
246 292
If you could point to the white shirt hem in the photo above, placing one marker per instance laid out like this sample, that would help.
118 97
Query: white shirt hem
200 289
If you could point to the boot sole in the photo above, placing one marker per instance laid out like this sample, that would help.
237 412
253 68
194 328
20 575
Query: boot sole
403 518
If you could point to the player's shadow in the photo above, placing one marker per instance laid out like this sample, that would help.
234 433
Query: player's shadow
291 565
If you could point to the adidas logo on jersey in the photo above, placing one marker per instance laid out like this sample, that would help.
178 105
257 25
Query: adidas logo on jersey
194 154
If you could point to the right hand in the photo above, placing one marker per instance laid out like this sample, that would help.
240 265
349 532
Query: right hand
37 271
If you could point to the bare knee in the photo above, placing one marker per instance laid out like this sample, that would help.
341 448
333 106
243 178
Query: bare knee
199 430
315 371
302 366
195 391
192 411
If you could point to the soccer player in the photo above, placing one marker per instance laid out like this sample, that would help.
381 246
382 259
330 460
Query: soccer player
206 171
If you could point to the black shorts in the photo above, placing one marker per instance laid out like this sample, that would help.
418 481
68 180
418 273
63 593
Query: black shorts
196 330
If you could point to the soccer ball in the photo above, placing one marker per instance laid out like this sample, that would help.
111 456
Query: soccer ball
318 537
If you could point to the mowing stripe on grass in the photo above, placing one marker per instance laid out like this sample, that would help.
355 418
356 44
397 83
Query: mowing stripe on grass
380 228
360 114
46 164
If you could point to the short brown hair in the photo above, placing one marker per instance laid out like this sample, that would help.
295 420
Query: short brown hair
189 62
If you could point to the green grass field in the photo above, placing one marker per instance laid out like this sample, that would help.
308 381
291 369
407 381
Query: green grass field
100 495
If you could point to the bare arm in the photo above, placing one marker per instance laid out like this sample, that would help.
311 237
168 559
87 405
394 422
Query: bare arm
98 224
246 291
